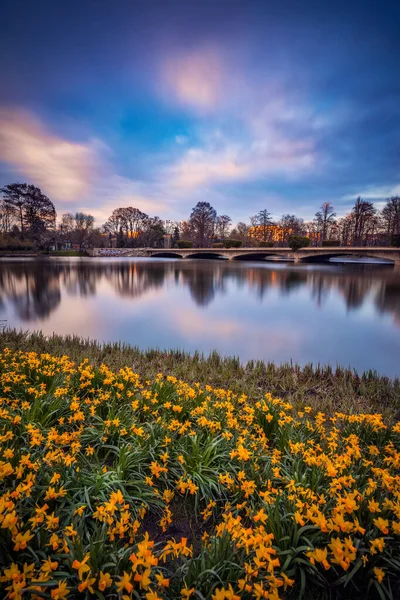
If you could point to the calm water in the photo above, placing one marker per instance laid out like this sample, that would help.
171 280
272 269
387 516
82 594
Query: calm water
327 313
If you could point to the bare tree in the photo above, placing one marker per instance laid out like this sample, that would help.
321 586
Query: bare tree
14 195
312 232
325 219
346 228
114 223
391 216
241 232
222 225
363 211
153 233
67 224
83 227
7 214
185 230
202 221
127 224
170 226
291 225
133 220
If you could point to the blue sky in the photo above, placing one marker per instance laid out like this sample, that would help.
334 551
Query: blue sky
155 104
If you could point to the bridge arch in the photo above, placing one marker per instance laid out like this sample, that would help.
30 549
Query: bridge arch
326 256
209 255
256 256
166 254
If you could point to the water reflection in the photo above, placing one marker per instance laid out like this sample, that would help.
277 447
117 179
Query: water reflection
344 313
34 287
34 293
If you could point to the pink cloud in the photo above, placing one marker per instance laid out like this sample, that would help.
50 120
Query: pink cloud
201 167
235 160
63 168
82 176
78 176
195 79
120 191
260 126
266 134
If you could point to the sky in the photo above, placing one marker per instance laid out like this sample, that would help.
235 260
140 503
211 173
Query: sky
160 104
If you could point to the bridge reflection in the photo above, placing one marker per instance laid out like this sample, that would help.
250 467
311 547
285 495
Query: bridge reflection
35 289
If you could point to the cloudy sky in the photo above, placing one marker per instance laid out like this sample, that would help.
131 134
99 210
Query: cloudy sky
161 103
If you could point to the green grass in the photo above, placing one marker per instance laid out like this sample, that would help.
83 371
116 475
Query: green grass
325 388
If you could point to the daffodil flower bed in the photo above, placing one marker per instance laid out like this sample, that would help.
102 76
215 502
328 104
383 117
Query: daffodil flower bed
113 487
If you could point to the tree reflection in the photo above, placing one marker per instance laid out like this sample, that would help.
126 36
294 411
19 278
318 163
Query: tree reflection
388 299
203 281
33 292
36 288
79 279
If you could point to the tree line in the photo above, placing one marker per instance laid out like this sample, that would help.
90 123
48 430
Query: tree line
28 219
363 226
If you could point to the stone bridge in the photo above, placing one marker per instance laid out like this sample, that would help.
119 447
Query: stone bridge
305 254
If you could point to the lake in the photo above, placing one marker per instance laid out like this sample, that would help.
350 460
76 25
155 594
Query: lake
335 313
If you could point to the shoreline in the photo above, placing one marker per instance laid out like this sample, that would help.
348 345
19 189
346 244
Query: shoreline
323 387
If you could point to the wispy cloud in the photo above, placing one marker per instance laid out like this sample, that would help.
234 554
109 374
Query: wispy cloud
243 159
201 167
245 130
375 192
194 79
78 176
115 191
85 176
65 169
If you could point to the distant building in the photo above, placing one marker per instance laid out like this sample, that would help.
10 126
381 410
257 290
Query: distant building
270 233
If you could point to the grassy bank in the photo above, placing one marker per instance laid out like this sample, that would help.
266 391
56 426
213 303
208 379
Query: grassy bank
28 253
65 253
323 388
116 486
18 253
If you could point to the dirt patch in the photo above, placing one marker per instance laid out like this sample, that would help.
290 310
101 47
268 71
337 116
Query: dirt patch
184 525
